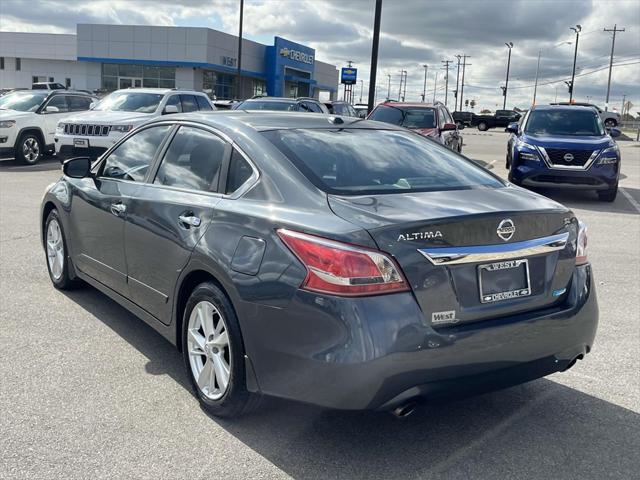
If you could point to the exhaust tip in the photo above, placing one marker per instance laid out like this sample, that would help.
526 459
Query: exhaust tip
405 410
573 362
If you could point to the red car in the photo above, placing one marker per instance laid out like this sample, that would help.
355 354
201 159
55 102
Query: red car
432 120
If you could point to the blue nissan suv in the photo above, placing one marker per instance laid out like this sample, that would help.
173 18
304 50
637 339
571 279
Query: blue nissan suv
564 146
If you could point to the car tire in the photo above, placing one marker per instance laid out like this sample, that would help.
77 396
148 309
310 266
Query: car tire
610 122
483 127
208 353
507 163
29 148
57 253
608 195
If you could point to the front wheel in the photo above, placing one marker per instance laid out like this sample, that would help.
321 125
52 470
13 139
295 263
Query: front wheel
483 126
608 195
56 250
29 149
213 352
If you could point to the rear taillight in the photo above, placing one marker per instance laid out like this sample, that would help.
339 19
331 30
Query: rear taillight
342 269
581 244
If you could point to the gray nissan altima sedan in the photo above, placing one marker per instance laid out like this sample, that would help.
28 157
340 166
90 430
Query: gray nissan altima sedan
331 260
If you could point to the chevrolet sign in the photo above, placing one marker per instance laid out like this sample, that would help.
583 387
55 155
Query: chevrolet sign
296 55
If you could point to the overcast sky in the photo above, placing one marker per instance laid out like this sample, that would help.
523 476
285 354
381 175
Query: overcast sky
414 33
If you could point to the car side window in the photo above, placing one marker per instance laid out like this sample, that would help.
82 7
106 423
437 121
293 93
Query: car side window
203 103
78 104
188 103
131 159
193 160
175 101
448 117
352 111
441 117
60 102
239 172
311 107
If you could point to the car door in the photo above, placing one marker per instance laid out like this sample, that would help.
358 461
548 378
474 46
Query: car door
168 215
100 203
51 119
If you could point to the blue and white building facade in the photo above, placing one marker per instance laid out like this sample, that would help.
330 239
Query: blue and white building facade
108 57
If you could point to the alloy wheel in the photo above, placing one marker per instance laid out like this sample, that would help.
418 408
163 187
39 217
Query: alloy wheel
55 249
209 350
31 149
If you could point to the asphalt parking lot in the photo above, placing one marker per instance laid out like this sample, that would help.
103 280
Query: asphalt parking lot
89 391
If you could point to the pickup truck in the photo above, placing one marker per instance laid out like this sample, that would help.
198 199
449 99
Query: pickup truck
501 118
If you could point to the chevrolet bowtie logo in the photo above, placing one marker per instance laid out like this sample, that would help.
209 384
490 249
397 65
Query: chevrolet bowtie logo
284 51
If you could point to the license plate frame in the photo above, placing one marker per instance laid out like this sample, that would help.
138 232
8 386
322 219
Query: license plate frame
491 297
81 142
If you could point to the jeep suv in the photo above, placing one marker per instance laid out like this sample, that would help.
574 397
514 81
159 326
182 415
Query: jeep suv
92 133
28 120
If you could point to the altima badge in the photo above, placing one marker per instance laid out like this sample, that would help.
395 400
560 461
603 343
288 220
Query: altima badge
506 229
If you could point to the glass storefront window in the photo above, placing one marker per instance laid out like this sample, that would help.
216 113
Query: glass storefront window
219 85
148 76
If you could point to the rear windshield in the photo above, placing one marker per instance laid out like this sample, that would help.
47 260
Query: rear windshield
362 161
406 117
266 105
576 122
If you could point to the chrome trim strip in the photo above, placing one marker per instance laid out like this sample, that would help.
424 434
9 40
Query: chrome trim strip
483 253
555 166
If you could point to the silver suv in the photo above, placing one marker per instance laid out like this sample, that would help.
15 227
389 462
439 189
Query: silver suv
609 118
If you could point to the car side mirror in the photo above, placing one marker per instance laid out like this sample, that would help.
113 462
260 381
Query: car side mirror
92 105
170 109
447 127
78 167
512 127
615 132
51 109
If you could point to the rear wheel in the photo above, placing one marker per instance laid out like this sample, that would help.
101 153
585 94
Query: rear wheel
213 352
29 149
483 126
608 195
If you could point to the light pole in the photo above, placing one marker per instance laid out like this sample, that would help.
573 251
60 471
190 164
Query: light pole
506 84
361 87
404 91
402 72
576 29
435 85
446 78
535 87
374 56
424 87
389 87
457 81
239 92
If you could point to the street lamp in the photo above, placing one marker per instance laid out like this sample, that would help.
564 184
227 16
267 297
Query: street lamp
576 29
535 87
506 84
424 88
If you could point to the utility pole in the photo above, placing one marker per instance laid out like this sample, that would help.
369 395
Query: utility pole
535 87
374 56
464 64
576 29
389 87
506 84
457 82
613 45
624 97
435 86
361 87
400 88
424 87
446 78
239 92
404 92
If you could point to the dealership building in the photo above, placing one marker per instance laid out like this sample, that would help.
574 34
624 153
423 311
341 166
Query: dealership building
108 57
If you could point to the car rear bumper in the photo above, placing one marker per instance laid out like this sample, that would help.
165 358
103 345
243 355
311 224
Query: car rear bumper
378 352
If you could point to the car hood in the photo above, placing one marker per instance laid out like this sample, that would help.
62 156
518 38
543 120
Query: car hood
100 117
568 141
14 114
427 132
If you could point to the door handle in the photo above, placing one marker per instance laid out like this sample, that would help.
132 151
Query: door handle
190 220
118 208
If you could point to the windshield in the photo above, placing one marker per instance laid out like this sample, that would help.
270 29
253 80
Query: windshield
359 161
28 101
419 117
267 105
564 122
130 102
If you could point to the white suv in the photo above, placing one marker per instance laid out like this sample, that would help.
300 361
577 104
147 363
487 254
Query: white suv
90 134
28 120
